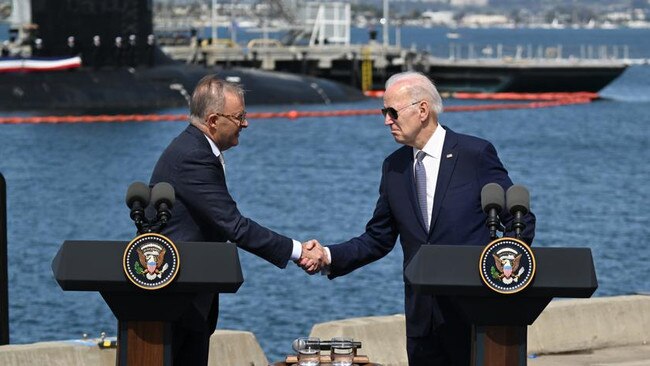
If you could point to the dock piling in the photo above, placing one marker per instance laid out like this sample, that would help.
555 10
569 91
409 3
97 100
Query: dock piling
4 280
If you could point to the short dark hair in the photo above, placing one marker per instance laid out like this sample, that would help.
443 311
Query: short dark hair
209 95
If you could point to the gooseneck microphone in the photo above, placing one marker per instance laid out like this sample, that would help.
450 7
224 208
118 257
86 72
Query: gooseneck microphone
137 199
492 202
163 198
518 200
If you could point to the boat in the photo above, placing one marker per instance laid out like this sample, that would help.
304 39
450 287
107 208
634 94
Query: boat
522 76
127 76
320 46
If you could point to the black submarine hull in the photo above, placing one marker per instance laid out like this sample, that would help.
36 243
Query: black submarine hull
106 83
127 90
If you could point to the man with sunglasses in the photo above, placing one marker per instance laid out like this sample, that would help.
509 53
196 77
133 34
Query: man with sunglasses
430 193
204 210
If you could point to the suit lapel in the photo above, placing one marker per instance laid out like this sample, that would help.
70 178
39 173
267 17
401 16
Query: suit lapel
448 160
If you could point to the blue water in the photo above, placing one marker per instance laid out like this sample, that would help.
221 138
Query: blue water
586 167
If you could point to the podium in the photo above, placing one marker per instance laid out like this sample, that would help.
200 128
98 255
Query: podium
499 321
145 316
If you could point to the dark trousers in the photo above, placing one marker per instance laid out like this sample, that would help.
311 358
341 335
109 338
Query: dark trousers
191 334
448 345
190 347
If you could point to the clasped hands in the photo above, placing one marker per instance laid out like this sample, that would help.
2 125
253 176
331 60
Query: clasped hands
313 257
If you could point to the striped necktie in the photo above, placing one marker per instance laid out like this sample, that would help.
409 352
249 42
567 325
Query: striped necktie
421 186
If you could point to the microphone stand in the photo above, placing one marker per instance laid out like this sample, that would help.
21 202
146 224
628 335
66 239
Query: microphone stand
138 216
518 224
493 224
156 225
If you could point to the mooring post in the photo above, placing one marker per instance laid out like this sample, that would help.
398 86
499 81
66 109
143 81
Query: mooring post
4 283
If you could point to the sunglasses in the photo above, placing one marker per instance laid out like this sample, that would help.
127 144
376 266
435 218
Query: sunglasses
240 118
392 112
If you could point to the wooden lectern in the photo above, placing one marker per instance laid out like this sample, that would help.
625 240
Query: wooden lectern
499 321
145 316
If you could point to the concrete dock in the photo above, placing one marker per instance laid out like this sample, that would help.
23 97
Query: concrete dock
597 331
612 331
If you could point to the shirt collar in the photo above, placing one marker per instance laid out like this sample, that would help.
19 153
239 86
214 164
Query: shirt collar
215 149
433 147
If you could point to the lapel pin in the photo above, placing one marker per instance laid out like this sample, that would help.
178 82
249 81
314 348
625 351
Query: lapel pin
449 156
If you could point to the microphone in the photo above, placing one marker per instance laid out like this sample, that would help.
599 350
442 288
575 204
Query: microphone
518 200
492 202
163 198
301 343
137 199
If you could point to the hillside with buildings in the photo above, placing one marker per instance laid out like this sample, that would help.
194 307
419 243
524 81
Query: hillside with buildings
450 13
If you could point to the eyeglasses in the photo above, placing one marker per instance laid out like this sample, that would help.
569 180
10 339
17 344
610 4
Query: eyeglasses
240 118
392 112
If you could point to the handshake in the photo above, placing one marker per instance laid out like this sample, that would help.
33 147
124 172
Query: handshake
313 258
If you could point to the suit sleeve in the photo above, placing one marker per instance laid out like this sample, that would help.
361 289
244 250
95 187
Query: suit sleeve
202 186
378 240
492 171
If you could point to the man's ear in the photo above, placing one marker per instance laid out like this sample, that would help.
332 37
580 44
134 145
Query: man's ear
424 110
212 121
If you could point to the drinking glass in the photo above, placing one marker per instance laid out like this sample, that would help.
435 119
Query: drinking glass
342 351
309 351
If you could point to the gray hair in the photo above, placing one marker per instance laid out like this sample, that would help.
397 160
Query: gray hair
420 87
209 96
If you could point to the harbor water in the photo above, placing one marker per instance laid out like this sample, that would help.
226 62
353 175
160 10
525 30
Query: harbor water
586 167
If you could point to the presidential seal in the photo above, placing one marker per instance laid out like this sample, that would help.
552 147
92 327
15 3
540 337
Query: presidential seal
507 265
151 261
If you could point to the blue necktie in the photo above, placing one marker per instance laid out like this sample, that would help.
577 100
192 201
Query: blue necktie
421 186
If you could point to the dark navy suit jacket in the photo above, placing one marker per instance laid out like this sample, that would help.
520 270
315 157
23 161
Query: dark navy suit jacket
205 211
467 164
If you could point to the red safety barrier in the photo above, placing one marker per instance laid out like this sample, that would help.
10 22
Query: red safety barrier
374 93
526 96
538 100
95 118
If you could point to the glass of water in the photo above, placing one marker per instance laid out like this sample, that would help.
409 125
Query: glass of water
308 351
342 353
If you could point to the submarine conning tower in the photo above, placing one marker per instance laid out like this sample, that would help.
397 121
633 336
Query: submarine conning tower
83 19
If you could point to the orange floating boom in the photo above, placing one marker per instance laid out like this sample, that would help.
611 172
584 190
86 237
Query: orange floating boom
538 100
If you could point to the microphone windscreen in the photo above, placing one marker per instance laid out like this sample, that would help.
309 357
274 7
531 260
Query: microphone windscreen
492 197
298 344
307 343
137 191
518 199
163 192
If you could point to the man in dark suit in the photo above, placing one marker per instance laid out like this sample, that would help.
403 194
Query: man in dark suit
204 210
430 193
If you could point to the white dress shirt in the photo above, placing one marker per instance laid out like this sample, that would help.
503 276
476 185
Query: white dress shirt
297 247
431 161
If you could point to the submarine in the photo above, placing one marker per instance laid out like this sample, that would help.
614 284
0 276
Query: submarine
132 75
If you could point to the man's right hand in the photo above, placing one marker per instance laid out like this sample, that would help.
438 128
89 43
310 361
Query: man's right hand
313 257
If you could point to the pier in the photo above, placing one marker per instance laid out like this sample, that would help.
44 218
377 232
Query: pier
368 66
270 54
597 331
319 44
